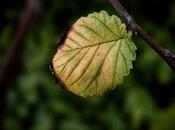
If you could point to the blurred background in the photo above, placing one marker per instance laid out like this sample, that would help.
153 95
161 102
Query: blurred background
30 100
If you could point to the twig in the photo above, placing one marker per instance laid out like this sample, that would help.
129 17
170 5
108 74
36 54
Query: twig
31 10
168 57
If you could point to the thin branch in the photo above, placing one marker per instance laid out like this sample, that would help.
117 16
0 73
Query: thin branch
168 57
30 11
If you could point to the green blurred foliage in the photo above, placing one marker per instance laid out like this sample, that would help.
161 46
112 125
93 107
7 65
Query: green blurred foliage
145 101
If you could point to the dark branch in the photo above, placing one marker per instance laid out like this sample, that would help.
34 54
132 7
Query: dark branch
10 63
29 13
168 57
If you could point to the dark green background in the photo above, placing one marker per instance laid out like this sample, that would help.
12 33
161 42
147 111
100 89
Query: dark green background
145 101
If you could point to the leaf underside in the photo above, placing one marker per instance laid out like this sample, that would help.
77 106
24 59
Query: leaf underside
97 52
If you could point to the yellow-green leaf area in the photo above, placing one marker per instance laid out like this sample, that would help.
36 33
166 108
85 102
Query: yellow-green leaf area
97 52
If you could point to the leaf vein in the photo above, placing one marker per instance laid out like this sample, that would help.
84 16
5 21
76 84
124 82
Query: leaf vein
76 65
104 25
86 67
66 61
69 61
98 70
93 45
74 41
81 35
124 59
115 66
92 30
129 48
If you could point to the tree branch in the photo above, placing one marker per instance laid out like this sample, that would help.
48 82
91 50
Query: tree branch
168 57
30 12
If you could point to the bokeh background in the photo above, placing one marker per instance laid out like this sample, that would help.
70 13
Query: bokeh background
31 100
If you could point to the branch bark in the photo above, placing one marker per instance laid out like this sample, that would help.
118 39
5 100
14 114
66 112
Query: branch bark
166 55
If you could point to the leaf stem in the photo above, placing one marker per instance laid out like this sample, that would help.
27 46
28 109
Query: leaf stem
166 55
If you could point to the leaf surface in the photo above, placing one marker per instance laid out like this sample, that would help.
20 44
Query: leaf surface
94 55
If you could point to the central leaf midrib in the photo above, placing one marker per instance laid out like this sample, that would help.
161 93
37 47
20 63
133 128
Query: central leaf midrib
94 45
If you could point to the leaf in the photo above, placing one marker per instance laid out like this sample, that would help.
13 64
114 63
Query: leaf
94 55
